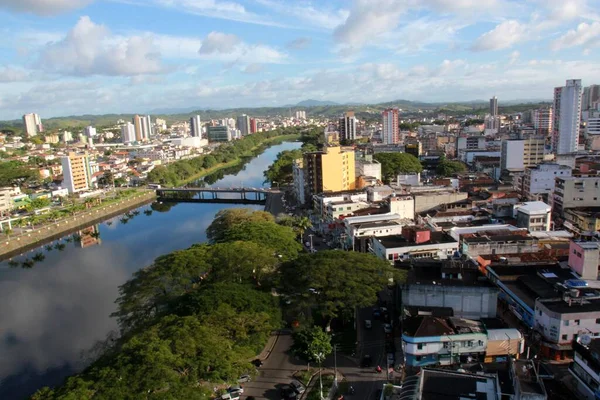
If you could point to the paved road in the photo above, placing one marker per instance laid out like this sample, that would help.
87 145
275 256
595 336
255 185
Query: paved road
277 370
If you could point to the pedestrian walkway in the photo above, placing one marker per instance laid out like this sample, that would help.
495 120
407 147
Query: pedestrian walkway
314 382
266 352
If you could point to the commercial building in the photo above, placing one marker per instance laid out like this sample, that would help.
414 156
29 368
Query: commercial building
347 126
542 121
253 125
539 181
583 221
195 126
391 128
426 200
89 131
77 174
243 124
6 199
586 366
567 116
360 229
584 259
454 285
433 341
533 215
415 242
494 106
343 208
128 133
574 192
470 143
590 98
218 134
330 170
404 206
518 154
32 124
366 166
299 181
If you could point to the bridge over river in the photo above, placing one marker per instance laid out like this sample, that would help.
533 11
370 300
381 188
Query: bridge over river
233 195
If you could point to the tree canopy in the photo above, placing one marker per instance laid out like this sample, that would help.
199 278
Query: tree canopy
393 164
311 343
336 281
230 217
449 167
16 172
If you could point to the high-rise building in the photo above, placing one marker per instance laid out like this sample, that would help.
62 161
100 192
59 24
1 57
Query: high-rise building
494 106
347 127
253 125
77 175
574 191
137 124
567 114
590 98
33 124
391 128
243 124
300 115
542 120
195 126
146 127
219 133
89 131
330 170
128 133
516 155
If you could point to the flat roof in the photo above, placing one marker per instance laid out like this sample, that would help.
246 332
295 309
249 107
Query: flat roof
450 385
394 241
534 207
562 307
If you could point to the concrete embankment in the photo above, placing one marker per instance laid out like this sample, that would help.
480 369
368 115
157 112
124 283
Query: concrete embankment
49 232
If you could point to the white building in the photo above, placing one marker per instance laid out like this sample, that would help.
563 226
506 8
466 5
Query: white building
539 181
89 131
511 157
128 133
347 126
195 126
424 244
533 215
391 129
6 198
301 115
567 116
368 167
542 120
33 124
586 367
404 206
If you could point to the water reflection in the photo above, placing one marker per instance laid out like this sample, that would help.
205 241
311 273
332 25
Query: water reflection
57 298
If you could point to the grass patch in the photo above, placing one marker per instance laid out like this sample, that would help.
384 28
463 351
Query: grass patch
315 392
305 375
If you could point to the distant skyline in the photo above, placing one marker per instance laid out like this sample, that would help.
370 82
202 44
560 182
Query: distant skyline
73 57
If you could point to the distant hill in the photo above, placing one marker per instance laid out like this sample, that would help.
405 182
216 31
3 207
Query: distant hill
316 103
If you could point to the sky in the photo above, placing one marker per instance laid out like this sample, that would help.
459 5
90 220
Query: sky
74 57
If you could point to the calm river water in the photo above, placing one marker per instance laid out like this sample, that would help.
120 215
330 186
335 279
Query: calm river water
54 312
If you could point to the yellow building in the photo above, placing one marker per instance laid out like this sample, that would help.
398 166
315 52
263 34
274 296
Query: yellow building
330 170
52 139
77 175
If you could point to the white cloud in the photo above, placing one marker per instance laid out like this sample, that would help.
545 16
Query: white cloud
91 49
587 35
217 42
253 68
230 48
367 20
322 17
13 74
43 7
514 57
502 36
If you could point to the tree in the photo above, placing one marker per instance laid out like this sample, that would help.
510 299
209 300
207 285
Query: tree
311 344
393 164
279 239
449 167
242 261
280 170
339 281
228 218
108 178
209 161
298 224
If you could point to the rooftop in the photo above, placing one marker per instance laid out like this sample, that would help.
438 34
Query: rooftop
428 326
450 385
394 241
534 207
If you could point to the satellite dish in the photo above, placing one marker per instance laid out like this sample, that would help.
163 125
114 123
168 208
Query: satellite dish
585 340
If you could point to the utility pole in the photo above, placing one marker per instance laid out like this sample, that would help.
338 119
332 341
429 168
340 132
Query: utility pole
335 362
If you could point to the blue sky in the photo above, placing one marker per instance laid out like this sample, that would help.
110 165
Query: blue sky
71 57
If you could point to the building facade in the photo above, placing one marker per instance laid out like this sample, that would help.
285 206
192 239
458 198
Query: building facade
347 126
32 124
539 181
330 170
573 192
128 133
243 124
391 128
534 215
218 134
195 126
542 121
566 118
77 174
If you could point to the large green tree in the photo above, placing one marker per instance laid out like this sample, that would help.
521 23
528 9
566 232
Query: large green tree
393 164
449 167
334 281
311 343
228 218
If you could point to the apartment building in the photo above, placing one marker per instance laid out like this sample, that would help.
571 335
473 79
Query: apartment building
330 170
539 181
586 366
77 174
573 192
519 154
533 215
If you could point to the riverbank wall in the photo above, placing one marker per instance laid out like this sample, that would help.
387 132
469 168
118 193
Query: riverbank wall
47 233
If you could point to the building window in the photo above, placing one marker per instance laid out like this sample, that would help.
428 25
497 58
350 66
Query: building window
418 358
576 322
566 322
470 343
565 337
446 345
420 346
480 343
598 320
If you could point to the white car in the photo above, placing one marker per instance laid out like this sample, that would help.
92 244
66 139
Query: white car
387 328
244 378
236 390
298 387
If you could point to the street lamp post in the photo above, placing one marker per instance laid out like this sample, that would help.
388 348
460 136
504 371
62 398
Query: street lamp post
310 235
319 357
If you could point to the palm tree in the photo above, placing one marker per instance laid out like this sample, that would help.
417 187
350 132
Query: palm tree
302 224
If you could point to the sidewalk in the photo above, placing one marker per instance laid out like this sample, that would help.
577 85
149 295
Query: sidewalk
269 346
314 382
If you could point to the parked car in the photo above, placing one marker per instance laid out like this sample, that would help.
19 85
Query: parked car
230 396
257 363
236 389
288 393
244 378
387 328
368 324
376 313
298 387
367 361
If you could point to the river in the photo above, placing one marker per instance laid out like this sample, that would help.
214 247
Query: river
53 312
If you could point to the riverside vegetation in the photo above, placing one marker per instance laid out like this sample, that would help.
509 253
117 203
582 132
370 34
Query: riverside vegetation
194 319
